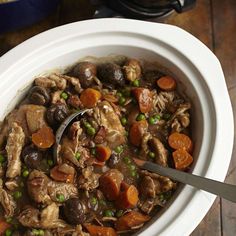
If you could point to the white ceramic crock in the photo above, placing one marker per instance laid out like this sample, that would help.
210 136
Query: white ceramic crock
191 62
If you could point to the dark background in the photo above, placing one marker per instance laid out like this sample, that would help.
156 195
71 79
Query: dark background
211 21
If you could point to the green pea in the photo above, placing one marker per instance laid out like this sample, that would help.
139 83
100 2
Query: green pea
50 162
157 117
166 116
119 149
64 95
126 92
87 124
136 83
91 131
122 101
94 201
102 202
41 232
127 160
8 232
133 173
123 121
119 213
35 231
141 116
22 184
77 155
93 151
17 195
25 173
2 158
9 219
152 120
60 198
118 94
151 155
132 167
108 213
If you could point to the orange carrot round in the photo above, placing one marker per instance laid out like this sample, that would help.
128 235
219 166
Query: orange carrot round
57 175
178 140
182 159
96 230
128 198
89 97
44 137
136 132
144 98
166 83
103 153
110 183
130 220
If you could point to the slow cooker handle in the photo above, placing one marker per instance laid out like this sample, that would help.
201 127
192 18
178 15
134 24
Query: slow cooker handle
183 5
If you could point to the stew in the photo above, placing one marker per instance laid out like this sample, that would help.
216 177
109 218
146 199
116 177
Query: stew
94 188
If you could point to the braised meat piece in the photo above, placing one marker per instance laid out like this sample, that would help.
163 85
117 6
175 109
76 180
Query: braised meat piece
14 146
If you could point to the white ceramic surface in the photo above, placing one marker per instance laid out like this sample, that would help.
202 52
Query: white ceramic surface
190 61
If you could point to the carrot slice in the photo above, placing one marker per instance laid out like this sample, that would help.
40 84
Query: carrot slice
144 98
128 198
103 153
178 140
130 220
110 183
3 226
182 159
166 83
44 137
89 97
57 175
95 230
136 132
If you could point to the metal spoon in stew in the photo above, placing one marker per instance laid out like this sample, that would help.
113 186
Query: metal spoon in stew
223 190
61 129
227 191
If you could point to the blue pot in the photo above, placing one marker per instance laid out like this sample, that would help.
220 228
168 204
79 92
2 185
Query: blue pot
21 13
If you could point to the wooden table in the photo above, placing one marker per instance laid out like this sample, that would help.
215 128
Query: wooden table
214 23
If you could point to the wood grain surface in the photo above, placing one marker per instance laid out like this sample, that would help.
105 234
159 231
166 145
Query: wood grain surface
211 21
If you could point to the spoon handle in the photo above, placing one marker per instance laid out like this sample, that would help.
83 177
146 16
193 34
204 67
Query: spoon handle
227 191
